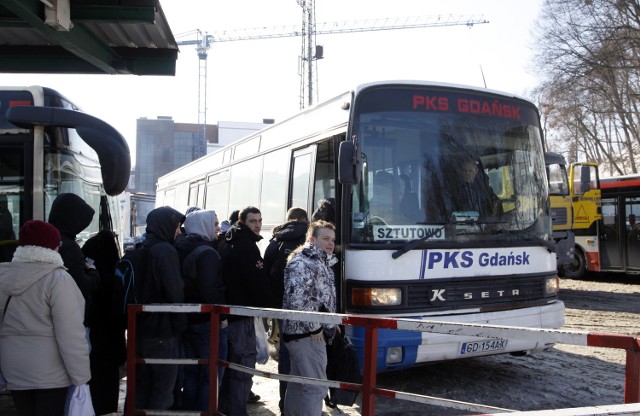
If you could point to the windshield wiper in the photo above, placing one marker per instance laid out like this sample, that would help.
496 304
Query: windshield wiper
413 244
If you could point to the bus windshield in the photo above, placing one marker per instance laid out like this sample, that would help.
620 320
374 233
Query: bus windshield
447 167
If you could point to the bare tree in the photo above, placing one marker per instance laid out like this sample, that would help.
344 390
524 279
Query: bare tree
588 54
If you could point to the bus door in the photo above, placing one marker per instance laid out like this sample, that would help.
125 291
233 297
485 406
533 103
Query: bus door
632 211
610 243
313 176
585 183
301 173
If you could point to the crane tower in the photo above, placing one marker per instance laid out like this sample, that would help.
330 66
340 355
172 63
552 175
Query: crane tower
203 43
310 51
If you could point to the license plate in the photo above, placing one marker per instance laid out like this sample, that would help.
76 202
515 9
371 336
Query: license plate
483 346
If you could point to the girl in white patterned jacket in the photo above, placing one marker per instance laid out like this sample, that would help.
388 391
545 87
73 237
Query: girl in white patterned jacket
309 286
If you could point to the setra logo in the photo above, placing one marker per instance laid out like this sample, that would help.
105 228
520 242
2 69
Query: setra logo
439 295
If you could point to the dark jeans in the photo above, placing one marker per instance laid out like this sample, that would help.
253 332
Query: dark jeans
236 385
195 341
40 402
284 364
155 382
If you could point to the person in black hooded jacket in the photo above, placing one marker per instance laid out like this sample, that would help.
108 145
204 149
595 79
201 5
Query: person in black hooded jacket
108 345
247 284
70 214
158 334
202 275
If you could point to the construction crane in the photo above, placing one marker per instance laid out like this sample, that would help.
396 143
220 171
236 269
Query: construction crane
203 43
310 51
310 54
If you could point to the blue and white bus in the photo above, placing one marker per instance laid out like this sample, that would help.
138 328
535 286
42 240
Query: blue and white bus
415 239
47 147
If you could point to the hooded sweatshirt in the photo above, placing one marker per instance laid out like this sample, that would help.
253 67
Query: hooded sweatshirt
162 281
201 263
42 339
70 214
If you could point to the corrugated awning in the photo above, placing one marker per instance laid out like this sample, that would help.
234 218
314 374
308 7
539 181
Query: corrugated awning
86 37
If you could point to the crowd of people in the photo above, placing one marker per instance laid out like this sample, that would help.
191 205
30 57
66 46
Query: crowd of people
57 331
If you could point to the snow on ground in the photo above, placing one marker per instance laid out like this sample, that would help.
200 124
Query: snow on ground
565 376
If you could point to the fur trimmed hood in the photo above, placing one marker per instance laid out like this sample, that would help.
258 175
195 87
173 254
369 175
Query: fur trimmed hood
36 254
29 265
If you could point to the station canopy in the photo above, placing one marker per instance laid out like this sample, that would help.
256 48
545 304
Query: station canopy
86 37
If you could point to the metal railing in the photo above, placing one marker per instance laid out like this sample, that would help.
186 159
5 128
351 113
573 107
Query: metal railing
371 325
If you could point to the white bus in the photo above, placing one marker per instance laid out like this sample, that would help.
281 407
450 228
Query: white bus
414 240
47 147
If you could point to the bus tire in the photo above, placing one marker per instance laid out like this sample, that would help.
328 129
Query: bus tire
577 268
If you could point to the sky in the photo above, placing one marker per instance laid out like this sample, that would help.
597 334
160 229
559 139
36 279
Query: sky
257 79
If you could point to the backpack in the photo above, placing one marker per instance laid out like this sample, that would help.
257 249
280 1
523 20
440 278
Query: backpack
276 257
190 274
127 285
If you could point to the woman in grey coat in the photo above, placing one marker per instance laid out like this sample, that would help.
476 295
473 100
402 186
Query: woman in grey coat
43 348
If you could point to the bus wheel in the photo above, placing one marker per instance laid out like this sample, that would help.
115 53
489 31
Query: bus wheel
577 268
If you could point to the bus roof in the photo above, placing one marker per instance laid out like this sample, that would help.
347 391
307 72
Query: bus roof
620 181
301 124
363 86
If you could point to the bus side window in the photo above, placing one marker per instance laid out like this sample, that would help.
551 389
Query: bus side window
325 181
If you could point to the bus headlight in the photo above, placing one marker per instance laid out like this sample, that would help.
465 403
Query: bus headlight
372 296
552 285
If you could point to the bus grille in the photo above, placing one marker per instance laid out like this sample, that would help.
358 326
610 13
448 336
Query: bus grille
477 293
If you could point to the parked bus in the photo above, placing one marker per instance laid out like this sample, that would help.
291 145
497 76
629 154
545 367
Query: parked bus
574 195
418 235
48 147
619 242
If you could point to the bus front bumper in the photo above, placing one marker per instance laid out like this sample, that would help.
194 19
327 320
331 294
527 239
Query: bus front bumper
402 349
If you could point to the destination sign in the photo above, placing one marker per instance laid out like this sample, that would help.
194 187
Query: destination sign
407 232
450 101
495 107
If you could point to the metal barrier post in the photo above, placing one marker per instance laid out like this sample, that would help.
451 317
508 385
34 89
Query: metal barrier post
213 362
632 369
632 375
370 370
130 401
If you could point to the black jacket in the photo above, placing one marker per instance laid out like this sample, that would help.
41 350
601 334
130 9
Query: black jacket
206 286
245 278
70 214
107 336
286 238
162 278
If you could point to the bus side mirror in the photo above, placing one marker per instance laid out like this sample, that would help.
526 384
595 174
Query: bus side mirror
349 163
112 149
